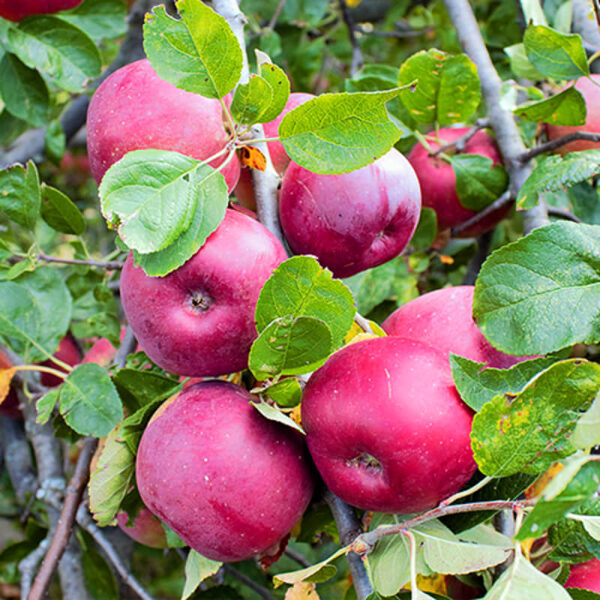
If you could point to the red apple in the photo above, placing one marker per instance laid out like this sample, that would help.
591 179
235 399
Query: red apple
438 181
457 590
68 352
443 319
15 10
228 481
146 529
199 320
591 95
134 109
386 427
353 221
585 576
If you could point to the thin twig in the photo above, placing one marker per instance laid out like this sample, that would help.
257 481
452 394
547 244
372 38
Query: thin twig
526 156
553 211
299 558
128 345
29 565
255 587
273 21
504 200
357 57
17 458
459 143
111 265
475 264
363 323
397 33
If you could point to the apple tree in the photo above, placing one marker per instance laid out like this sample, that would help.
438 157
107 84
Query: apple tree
299 299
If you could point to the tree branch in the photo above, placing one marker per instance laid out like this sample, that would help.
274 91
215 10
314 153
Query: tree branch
563 214
255 587
504 200
460 143
527 155
17 458
483 248
128 345
111 265
357 57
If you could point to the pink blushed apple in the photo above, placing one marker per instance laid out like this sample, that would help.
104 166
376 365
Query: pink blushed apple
199 320
353 221
386 427
68 353
585 576
228 481
17 10
146 529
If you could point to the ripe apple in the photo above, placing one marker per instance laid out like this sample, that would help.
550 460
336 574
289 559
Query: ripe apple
134 109
353 221
228 481
585 576
443 319
591 94
16 10
68 352
199 320
386 427
146 529
438 181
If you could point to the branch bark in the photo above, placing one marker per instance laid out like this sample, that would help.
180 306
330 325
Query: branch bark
526 156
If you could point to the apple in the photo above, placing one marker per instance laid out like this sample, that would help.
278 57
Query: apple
591 94
458 590
146 529
68 352
438 181
353 221
199 320
585 576
16 10
134 109
386 427
228 481
443 319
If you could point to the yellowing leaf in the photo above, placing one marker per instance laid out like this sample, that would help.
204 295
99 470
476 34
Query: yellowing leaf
435 583
302 591
253 158
538 486
6 376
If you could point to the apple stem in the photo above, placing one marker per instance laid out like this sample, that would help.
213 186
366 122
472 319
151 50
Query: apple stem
459 143
505 199
112 265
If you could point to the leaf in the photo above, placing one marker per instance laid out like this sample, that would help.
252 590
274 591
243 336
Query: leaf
6 375
60 212
279 83
100 19
274 414
540 294
554 173
89 402
337 133
20 196
447 89
173 540
143 387
212 198
99 578
478 384
426 230
198 53
290 346
58 49
301 287
302 591
112 478
565 108
587 430
150 196
318 573
528 431
251 100
590 524
45 405
287 393
197 569
55 141
555 55
478 181
23 91
520 65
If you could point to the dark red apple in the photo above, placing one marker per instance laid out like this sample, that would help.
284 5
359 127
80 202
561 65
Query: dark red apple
134 109
353 221
591 94
199 320
438 181
16 10
444 319
228 481
386 427
585 576
146 529
68 352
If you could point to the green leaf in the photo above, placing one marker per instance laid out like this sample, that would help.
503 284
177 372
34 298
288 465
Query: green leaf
540 294
301 287
150 197
274 414
316 573
555 55
45 405
10 127
198 53
280 86
337 133
197 569
286 393
141 388
58 49
19 317
100 19
554 173
89 402
565 108
99 578
212 198
251 100
133 426
520 65
23 266
20 196
528 431
477 384
23 91
447 89
112 478
478 182
290 346
579 594
173 540
55 141
426 230
60 212
587 430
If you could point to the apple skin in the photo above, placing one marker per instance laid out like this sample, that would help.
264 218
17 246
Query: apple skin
585 576
146 529
443 319
394 400
228 481
68 352
354 221
199 320
125 115
591 95
438 181
16 10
